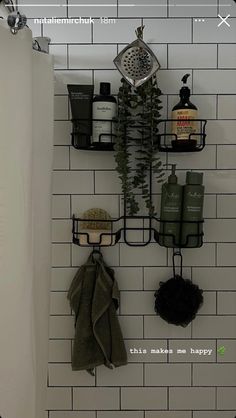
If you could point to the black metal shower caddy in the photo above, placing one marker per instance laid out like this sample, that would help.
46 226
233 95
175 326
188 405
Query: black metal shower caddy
151 226
150 229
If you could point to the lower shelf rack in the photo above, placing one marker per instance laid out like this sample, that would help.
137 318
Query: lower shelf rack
145 230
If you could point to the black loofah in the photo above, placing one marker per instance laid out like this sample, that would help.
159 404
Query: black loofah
178 301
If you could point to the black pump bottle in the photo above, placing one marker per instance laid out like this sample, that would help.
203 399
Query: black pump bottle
185 113
104 110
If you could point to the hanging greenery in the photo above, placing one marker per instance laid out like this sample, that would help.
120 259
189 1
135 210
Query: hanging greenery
147 160
123 144
138 109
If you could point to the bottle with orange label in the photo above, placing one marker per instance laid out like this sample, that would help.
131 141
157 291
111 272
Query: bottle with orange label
185 114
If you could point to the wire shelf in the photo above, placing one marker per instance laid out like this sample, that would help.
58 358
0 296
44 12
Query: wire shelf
81 140
169 141
153 229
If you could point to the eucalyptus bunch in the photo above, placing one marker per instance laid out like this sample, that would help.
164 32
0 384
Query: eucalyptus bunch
148 118
123 144
138 111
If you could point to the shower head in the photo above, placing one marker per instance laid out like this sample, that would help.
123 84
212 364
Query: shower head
137 62
16 21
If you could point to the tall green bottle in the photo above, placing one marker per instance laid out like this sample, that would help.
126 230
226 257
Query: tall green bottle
193 198
171 208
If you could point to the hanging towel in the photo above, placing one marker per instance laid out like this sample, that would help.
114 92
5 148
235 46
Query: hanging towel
94 298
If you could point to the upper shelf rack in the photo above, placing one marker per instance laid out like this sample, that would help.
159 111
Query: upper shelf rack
169 142
166 140
105 141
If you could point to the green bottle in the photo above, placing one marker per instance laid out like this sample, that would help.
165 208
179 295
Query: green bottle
171 209
193 198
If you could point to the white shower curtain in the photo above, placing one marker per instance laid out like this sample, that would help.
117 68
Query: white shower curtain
26 132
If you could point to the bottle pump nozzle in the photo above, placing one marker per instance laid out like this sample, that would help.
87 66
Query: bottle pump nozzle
173 169
172 178
185 91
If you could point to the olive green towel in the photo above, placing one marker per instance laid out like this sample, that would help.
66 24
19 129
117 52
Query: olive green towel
94 298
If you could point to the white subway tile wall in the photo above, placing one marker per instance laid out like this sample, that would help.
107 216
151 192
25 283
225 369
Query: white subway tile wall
186 38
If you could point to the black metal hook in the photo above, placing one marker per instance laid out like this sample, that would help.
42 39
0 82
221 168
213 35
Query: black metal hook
178 254
96 251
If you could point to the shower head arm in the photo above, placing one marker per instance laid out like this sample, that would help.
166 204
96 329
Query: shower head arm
139 32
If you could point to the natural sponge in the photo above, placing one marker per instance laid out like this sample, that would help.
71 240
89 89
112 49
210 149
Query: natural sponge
91 215
96 228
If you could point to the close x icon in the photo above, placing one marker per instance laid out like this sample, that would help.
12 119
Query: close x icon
224 20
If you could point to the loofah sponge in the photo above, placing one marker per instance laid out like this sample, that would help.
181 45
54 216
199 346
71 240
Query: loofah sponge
92 215
178 300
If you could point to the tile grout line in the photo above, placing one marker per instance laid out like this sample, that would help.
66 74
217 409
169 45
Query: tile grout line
192 385
192 31
72 398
